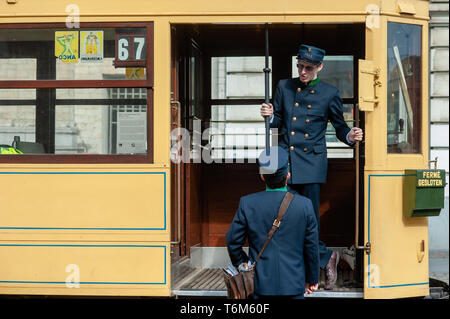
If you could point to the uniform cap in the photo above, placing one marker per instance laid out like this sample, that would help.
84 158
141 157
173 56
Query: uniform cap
310 55
274 161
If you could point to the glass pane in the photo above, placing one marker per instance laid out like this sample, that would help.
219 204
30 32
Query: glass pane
103 128
86 121
100 129
81 54
17 120
236 132
17 115
337 71
17 69
7 95
239 77
404 92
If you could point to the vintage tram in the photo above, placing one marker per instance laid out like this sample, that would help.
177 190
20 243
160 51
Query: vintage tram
98 96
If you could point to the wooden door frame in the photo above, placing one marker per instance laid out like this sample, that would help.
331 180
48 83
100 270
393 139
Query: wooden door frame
177 212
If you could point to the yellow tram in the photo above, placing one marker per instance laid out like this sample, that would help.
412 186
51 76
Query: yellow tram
96 95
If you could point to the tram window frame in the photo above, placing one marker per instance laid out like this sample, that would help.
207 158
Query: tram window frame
404 89
46 135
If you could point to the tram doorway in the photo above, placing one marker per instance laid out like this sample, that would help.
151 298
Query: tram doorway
217 89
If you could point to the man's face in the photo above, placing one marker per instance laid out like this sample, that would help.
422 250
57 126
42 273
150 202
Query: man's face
308 72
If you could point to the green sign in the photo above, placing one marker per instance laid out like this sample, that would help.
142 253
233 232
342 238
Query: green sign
423 192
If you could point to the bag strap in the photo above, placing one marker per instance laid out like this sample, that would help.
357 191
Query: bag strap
276 223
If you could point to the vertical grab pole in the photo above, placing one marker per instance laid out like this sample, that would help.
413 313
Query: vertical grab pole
267 85
367 246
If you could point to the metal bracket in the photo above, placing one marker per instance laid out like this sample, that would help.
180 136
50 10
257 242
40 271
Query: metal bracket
435 162
375 72
367 248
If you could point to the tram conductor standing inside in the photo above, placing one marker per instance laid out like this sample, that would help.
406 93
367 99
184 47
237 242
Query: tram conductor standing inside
289 265
301 109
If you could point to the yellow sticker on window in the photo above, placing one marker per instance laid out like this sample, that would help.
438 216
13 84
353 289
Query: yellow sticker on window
66 46
91 43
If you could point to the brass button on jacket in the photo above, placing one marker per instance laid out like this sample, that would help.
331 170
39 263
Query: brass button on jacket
296 104
294 119
299 90
306 135
309 106
305 149
291 148
292 133
307 120
312 92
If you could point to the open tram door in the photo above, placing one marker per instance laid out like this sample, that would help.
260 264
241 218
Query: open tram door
393 93
217 80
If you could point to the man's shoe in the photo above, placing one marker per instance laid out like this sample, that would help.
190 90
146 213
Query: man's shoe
331 270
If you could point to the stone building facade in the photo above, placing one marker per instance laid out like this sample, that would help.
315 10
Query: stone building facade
439 113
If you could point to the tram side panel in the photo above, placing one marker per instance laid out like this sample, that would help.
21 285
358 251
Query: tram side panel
85 232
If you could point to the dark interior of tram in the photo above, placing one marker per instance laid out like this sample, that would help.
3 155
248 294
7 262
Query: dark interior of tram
205 196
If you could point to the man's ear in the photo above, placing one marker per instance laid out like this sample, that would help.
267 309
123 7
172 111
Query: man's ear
320 67
288 176
262 177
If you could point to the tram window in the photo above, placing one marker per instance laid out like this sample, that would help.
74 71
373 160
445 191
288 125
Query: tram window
107 121
337 71
404 92
87 121
87 95
62 54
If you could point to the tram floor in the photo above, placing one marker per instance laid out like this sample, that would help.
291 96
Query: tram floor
208 282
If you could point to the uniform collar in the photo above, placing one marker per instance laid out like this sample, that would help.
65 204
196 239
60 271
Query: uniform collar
313 82
282 189
310 83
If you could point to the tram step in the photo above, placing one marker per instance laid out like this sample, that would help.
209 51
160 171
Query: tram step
209 282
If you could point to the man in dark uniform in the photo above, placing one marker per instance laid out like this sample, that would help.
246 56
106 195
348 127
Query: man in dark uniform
301 109
289 265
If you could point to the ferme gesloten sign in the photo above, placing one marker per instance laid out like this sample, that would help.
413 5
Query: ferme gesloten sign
430 178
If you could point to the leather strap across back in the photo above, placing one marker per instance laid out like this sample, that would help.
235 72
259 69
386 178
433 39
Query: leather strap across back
276 223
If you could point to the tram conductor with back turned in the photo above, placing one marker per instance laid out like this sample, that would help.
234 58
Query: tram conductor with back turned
301 109
289 265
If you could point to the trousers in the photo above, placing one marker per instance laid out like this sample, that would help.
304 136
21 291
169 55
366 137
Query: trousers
312 191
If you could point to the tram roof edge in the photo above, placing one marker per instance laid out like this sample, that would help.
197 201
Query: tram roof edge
16 10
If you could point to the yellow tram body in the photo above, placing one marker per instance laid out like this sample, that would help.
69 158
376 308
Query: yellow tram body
116 233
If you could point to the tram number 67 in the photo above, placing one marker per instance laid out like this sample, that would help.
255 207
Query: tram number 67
130 50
